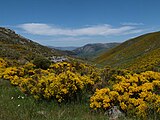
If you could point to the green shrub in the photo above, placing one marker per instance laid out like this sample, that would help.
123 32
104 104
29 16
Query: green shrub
42 62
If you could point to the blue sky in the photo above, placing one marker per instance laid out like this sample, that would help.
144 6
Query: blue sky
78 22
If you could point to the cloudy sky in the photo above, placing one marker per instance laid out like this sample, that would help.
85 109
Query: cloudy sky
78 22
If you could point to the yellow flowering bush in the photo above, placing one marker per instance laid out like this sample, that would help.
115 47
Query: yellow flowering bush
81 68
64 86
103 99
134 93
13 74
62 81
3 65
91 73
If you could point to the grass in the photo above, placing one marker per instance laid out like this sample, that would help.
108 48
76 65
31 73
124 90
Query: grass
14 105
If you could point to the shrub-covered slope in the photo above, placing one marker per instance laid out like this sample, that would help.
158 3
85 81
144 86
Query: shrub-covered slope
140 53
14 46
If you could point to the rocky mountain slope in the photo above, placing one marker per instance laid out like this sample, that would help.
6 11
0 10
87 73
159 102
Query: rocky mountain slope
90 51
14 46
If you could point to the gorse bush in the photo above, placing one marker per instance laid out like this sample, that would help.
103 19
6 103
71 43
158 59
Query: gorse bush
135 94
13 74
61 82
62 87
3 65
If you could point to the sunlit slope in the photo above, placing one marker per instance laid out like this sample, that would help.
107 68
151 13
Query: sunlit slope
142 52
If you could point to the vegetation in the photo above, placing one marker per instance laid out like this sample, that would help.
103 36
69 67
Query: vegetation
58 93
16 47
136 94
14 105
64 84
138 54
42 62
31 87
61 82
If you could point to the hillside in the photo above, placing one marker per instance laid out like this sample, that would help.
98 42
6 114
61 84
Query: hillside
141 53
14 46
90 51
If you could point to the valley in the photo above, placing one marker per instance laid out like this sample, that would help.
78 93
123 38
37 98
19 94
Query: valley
79 60
38 76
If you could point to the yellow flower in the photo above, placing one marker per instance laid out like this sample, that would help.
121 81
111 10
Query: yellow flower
36 97
65 91
123 106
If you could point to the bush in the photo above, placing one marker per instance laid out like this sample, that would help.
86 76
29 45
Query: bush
61 81
3 65
135 94
42 62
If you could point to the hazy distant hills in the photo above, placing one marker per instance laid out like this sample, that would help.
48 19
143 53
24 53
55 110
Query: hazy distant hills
90 51
140 53
14 46
70 48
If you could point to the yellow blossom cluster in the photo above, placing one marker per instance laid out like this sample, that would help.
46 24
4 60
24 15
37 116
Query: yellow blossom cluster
103 99
13 74
3 65
134 93
61 81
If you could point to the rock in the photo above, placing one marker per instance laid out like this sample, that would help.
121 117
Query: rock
114 113
56 59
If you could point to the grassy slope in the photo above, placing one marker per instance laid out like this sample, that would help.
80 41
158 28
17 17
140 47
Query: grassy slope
134 53
30 109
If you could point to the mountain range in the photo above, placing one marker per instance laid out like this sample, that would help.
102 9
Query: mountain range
70 48
138 54
90 51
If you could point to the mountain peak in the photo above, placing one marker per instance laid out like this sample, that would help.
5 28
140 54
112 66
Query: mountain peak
6 30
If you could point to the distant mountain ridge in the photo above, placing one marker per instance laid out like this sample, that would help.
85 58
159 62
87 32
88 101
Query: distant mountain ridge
140 53
70 48
92 50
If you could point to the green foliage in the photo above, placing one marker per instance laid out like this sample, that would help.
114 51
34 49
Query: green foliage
42 62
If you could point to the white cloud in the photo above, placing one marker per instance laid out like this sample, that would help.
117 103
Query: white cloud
96 30
132 23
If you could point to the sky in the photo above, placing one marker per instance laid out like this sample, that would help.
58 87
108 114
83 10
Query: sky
62 23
